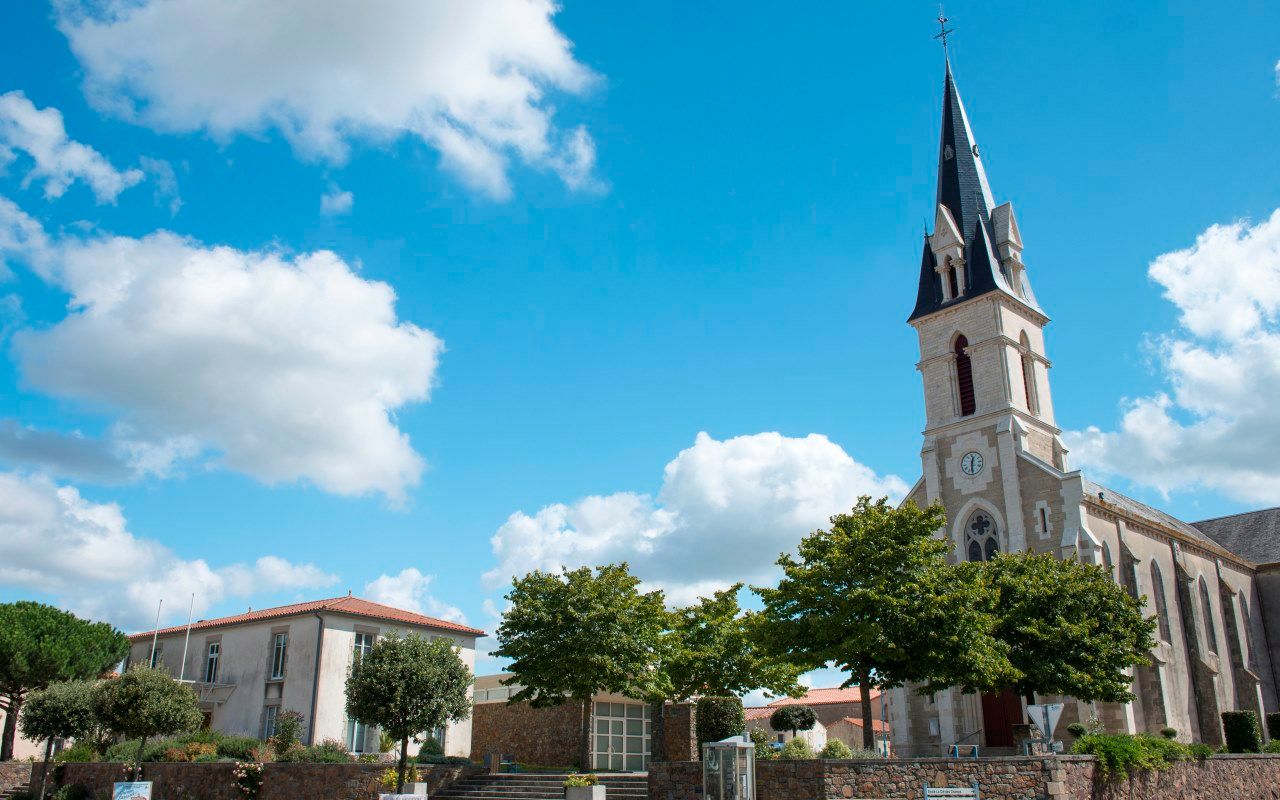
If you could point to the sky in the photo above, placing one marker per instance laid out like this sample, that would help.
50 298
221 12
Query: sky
300 300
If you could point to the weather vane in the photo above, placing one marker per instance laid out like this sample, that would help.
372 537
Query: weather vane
942 26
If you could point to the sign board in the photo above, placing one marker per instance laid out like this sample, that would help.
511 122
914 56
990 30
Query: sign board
402 797
953 793
1045 717
135 790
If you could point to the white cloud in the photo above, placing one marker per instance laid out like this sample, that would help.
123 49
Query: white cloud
470 79
335 201
289 367
58 160
1215 426
409 590
165 183
54 541
725 511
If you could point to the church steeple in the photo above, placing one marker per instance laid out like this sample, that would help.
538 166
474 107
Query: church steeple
975 245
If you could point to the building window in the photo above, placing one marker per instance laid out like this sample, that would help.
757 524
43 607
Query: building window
269 715
363 646
211 662
357 735
1042 519
1029 375
1157 596
982 540
157 656
279 655
953 282
964 377
1210 632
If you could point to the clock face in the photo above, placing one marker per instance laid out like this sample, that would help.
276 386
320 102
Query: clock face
971 463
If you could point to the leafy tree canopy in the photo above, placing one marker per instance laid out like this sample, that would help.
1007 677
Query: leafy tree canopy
793 718
40 644
408 686
59 711
146 702
1067 628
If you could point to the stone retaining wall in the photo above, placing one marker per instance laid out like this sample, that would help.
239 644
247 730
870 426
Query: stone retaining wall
1226 777
286 781
14 773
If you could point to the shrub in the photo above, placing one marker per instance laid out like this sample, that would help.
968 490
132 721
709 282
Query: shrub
1200 751
154 751
288 730
74 791
581 779
719 718
796 750
430 759
1077 730
78 753
1119 755
1273 725
1241 730
793 718
430 747
329 751
1169 733
248 779
388 778
836 749
241 748
1273 746
764 745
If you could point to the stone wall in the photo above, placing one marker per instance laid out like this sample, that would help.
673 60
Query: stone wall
14 773
288 781
1225 777
681 735
544 736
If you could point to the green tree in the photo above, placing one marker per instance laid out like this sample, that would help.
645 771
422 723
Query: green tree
793 718
1068 628
719 718
146 702
39 645
711 648
408 686
875 597
59 711
583 631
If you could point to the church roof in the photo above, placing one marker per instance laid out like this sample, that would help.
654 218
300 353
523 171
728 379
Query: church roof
1254 535
964 190
1132 508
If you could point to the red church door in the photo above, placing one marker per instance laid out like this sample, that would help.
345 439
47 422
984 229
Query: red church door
1000 712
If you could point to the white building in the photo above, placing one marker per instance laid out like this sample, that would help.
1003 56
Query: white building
248 668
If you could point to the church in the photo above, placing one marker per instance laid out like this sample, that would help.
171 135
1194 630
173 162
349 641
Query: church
993 458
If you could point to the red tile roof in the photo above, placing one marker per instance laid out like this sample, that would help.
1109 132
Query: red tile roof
825 697
761 712
347 604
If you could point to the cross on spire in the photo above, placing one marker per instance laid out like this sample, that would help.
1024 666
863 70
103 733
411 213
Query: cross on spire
943 30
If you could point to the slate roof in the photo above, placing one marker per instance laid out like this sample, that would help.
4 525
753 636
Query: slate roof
964 190
1129 506
354 606
1254 535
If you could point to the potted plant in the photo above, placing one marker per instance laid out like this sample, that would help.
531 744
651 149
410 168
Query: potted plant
583 786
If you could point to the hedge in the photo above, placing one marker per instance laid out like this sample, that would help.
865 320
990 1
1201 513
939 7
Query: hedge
1273 725
1242 732
719 718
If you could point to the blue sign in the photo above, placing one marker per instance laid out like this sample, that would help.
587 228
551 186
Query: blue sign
137 790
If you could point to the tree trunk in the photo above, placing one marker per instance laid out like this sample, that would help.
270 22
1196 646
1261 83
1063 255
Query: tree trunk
44 770
12 705
137 764
584 745
404 758
868 718
657 731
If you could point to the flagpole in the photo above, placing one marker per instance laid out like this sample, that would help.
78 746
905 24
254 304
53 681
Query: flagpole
182 672
155 634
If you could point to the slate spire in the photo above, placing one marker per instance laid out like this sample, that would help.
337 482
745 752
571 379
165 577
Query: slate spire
962 182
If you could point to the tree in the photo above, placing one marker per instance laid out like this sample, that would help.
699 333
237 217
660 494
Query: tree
146 702
40 644
1067 628
719 718
875 597
711 648
59 711
793 718
408 686
573 634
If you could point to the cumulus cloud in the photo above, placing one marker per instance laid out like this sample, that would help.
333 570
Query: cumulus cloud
470 79
725 511
288 367
1215 425
54 541
58 160
335 202
409 590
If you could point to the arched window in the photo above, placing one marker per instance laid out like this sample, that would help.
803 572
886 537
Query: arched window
1029 375
1210 632
1157 597
952 280
1250 656
982 538
964 376
1107 563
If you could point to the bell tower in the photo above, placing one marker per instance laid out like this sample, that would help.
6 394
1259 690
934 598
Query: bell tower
982 353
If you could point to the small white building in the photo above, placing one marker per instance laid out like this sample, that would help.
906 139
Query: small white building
248 668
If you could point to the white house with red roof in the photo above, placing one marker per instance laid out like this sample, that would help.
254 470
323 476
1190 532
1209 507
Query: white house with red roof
248 668
839 713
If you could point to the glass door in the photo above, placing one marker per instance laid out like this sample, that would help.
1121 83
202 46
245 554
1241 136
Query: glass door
621 741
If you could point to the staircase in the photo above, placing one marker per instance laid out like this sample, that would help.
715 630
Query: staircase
14 791
540 786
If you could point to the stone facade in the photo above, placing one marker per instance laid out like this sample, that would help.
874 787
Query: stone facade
15 773
279 781
1234 777
680 733
545 736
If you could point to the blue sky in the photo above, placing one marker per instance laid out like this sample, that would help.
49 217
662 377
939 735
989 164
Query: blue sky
698 218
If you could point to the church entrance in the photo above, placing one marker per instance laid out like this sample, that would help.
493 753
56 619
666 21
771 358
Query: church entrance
1000 712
